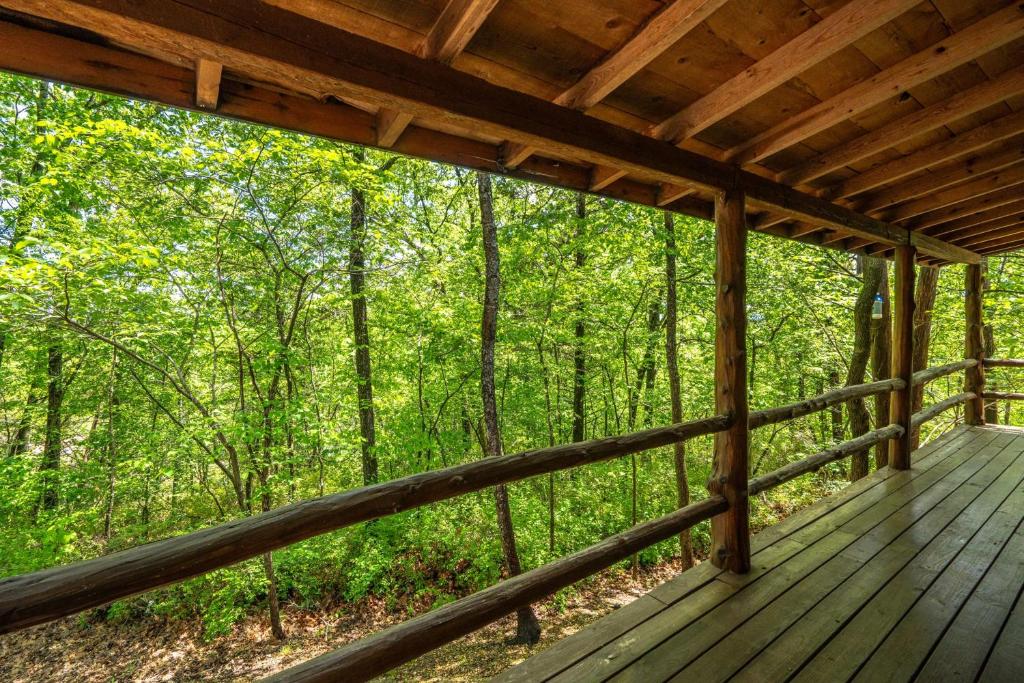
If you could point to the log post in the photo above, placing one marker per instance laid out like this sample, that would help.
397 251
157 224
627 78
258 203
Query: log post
974 346
900 408
730 531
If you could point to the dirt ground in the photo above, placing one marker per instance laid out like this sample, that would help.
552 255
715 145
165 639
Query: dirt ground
172 650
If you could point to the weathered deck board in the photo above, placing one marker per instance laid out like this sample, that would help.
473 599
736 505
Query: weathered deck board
903 575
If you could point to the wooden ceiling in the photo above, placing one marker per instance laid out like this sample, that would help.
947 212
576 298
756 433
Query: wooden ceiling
852 124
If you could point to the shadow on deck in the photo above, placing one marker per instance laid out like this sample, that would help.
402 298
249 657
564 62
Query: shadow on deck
912 575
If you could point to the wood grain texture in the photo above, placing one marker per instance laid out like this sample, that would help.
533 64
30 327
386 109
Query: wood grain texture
730 532
902 356
974 345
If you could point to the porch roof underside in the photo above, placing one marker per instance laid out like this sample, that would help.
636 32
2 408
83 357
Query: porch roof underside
852 124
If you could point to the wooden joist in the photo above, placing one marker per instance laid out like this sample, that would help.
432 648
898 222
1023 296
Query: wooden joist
391 123
844 27
991 159
978 223
269 43
947 150
922 121
985 35
662 31
458 23
1008 196
997 181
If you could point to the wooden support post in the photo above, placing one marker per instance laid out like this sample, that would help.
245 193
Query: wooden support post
900 407
730 531
974 347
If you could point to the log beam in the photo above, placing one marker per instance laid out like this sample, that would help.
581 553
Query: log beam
730 531
902 356
974 346
997 29
844 27
264 41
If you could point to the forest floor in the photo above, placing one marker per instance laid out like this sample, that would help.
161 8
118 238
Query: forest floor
158 649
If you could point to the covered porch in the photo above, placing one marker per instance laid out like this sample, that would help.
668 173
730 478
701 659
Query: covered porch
905 575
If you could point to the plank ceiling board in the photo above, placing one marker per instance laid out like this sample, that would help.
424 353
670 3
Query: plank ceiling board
539 49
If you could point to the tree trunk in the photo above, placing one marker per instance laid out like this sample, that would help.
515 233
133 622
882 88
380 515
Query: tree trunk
836 411
860 419
650 368
579 353
528 628
52 446
672 362
881 362
923 305
361 333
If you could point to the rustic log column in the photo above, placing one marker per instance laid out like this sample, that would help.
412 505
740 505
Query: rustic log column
900 408
730 532
974 346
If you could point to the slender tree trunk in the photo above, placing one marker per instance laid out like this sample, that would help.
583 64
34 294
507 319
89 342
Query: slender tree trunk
881 363
579 352
924 303
52 445
650 368
860 419
672 362
836 411
276 627
528 629
991 408
361 331
113 404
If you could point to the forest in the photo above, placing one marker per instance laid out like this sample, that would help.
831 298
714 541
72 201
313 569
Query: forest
202 320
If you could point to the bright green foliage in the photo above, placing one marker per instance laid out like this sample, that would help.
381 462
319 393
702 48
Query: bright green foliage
194 272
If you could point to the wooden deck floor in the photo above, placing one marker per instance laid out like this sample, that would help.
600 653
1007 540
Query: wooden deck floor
912 575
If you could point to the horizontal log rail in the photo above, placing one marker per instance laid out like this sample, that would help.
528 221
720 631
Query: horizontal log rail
815 462
760 418
371 656
1003 396
1004 362
929 374
933 411
49 594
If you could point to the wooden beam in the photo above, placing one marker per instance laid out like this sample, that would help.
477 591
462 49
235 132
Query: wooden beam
208 75
669 193
391 123
985 35
458 23
730 531
965 208
265 42
936 409
922 121
934 373
51 593
900 409
661 32
842 28
964 143
992 219
996 181
992 159
993 238
369 657
603 176
974 345
455 27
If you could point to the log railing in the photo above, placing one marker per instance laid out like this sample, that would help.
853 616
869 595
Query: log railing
52 593
1003 395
